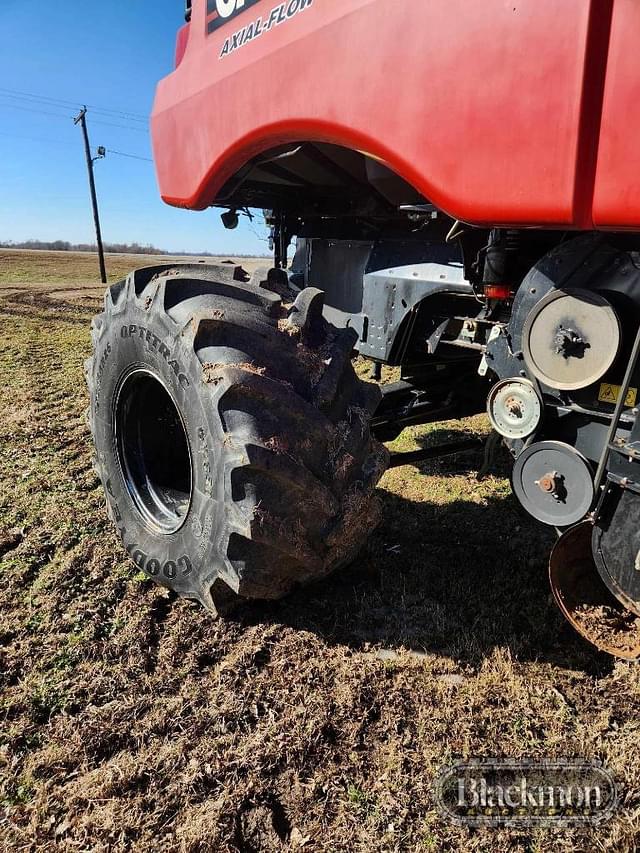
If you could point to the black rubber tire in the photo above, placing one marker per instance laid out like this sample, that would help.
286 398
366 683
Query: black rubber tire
283 466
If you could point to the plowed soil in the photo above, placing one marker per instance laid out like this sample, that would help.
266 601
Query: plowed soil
131 720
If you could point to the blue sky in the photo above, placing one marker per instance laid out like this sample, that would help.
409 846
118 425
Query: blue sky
110 55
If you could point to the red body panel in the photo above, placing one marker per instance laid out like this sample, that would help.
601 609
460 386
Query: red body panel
617 192
490 109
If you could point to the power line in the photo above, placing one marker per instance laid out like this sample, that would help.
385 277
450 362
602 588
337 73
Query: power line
66 117
36 102
36 108
123 126
25 96
36 99
133 156
49 141
118 113
14 93
39 112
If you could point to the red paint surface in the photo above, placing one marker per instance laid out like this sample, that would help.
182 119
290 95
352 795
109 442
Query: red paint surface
616 201
491 109
182 41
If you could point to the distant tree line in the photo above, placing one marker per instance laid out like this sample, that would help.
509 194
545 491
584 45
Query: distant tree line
118 248
66 246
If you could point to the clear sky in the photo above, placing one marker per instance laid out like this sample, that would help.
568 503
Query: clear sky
110 55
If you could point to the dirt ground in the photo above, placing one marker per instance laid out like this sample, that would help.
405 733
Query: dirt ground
131 720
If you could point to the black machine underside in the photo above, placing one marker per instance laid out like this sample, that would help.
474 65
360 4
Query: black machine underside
538 328
552 357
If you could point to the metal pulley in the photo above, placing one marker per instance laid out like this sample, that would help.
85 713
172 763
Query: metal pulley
554 483
514 408
570 339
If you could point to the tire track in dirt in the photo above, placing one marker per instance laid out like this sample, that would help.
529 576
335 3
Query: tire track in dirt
132 721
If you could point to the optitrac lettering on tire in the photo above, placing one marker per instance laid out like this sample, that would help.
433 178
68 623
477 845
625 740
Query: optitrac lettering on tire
231 432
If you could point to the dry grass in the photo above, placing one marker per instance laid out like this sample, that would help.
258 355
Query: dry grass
19 266
132 720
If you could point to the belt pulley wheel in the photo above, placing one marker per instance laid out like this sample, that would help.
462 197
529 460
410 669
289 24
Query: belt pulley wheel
570 339
584 599
554 483
514 408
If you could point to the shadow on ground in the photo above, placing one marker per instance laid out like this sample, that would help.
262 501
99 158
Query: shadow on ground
457 578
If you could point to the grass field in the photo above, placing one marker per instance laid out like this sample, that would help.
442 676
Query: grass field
19 266
130 719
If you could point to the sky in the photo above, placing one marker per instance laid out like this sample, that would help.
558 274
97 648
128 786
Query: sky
57 56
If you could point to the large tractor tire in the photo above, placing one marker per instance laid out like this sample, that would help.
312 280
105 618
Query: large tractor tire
231 432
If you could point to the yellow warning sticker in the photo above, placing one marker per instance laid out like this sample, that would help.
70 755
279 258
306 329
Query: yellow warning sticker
610 393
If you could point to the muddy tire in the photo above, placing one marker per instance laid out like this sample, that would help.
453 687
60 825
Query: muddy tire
231 432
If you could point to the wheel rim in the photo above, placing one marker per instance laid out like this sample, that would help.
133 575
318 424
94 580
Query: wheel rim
153 451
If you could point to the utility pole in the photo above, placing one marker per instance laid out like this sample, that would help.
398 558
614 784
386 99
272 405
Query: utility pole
82 121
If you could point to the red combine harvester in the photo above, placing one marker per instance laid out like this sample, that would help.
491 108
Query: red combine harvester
463 182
